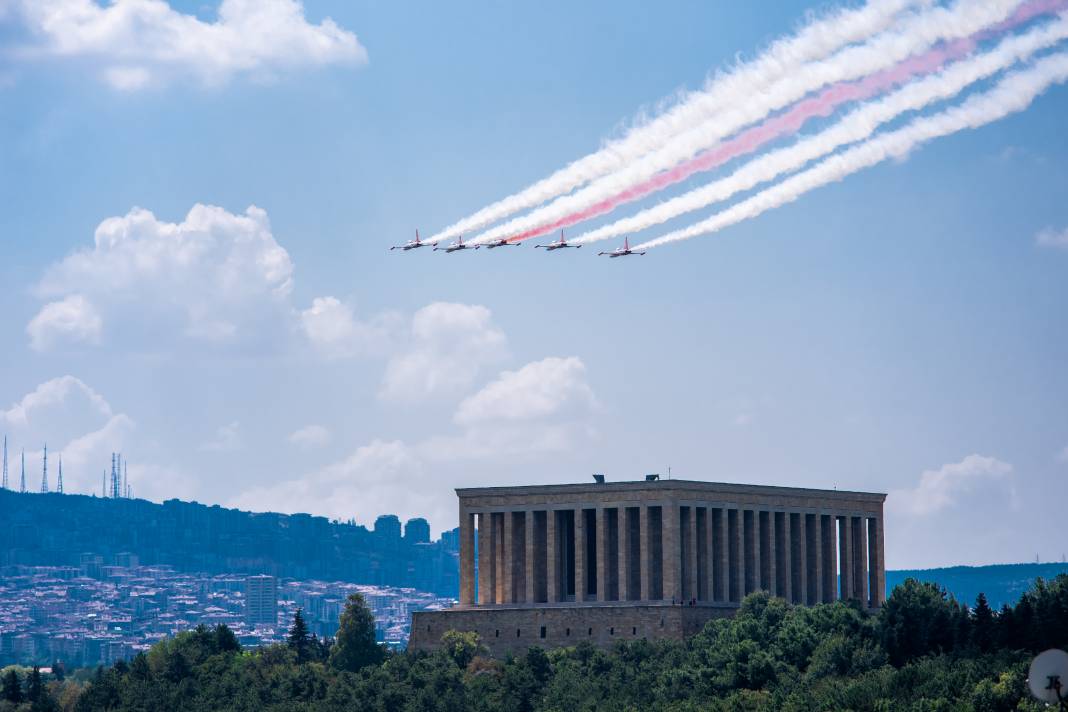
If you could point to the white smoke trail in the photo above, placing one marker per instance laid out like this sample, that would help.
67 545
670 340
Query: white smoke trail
1013 93
814 41
919 33
856 126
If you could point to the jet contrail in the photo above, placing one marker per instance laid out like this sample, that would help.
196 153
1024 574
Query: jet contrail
815 41
881 63
858 125
1013 93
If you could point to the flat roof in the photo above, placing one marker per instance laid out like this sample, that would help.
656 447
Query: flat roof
662 484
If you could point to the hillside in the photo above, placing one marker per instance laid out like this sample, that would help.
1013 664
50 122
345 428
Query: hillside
56 529
1002 583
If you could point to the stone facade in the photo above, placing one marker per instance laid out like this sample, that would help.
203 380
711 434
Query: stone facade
653 559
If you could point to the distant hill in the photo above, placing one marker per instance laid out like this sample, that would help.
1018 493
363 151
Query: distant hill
1002 583
57 529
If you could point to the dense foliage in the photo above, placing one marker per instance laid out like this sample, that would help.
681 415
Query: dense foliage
922 651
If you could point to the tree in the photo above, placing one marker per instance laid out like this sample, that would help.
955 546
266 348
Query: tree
355 646
34 685
225 640
59 671
299 640
916 620
462 647
11 687
982 624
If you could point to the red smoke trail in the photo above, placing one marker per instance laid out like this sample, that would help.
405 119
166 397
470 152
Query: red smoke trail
823 104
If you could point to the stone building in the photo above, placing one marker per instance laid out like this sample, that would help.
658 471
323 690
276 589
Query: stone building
558 564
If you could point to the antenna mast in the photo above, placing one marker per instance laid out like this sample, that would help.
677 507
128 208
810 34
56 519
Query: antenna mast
22 482
44 471
61 473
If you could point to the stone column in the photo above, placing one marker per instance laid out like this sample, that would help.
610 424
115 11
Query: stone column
645 565
508 559
830 579
485 559
709 558
497 529
860 560
691 555
580 555
801 559
624 553
767 552
784 560
845 557
722 552
529 596
467 557
602 554
736 523
815 559
876 572
552 559
751 538
672 551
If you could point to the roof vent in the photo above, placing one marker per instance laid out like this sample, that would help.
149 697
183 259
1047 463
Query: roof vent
652 478
599 479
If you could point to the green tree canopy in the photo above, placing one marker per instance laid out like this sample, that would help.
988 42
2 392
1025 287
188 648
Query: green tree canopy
355 647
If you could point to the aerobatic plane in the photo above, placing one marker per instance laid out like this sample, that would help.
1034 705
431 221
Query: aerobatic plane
503 242
458 245
410 244
558 244
622 251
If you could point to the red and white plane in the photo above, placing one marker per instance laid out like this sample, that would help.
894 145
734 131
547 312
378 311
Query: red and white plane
410 244
622 251
458 245
558 244
502 242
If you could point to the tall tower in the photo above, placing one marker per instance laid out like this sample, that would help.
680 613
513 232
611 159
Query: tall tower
60 486
22 482
44 471
5 462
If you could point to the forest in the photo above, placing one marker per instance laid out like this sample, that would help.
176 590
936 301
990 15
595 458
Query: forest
923 650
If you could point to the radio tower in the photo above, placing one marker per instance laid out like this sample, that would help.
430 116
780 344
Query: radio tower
60 484
116 476
44 471
5 462
22 482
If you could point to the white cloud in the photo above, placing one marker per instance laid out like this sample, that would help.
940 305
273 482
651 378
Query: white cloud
72 318
1052 238
310 436
143 42
215 276
333 329
449 345
42 401
948 486
383 476
227 438
540 389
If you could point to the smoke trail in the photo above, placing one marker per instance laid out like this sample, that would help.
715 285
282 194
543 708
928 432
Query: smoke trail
813 42
1013 93
965 25
856 126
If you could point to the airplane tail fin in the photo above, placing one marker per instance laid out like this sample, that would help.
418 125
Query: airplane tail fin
626 243
417 235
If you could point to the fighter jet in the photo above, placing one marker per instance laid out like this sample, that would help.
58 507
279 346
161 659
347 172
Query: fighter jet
503 242
410 244
558 244
458 245
622 251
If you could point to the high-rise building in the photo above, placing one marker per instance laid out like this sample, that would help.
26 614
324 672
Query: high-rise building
451 540
388 526
261 600
417 531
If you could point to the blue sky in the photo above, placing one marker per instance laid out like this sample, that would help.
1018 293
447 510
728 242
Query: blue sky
902 327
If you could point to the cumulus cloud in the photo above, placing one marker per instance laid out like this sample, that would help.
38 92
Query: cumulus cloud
227 438
382 476
310 436
1052 238
543 407
540 389
448 347
214 277
71 319
332 328
949 485
82 428
138 43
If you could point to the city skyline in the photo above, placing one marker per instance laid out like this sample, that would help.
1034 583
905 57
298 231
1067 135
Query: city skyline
198 274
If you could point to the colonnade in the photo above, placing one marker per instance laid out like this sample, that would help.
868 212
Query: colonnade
694 552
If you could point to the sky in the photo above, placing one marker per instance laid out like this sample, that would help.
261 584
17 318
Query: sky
195 226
